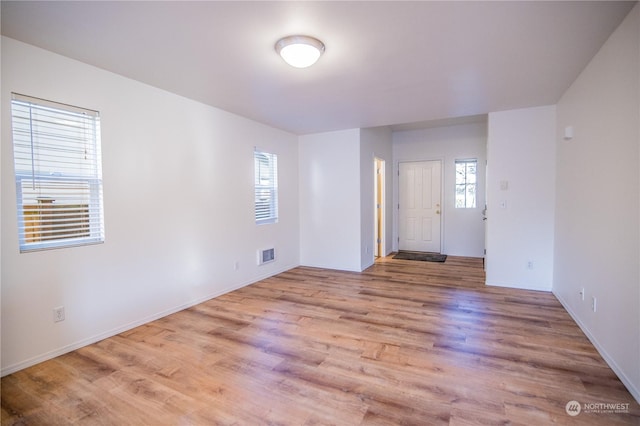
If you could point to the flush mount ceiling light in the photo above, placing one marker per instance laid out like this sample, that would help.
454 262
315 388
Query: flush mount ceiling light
300 51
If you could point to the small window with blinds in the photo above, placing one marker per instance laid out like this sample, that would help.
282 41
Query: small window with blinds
466 183
58 171
266 187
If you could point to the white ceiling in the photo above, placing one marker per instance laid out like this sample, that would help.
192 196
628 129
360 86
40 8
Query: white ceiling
386 63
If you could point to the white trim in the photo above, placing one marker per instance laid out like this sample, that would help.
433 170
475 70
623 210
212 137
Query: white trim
53 104
115 331
519 286
383 207
635 392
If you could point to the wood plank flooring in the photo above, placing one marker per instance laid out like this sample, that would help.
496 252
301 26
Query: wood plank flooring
404 342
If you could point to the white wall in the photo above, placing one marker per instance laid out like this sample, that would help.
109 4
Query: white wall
330 200
374 143
598 191
463 229
337 197
520 225
178 194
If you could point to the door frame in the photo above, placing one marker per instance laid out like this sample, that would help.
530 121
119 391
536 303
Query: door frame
396 198
379 204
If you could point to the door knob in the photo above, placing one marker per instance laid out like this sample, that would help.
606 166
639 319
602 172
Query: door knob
437 211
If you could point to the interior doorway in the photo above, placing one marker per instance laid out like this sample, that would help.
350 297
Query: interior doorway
379 184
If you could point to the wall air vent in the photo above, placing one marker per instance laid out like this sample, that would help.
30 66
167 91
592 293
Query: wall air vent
266 256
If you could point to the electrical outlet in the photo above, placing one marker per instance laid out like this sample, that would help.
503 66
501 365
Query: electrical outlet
593 303
58 314
529 265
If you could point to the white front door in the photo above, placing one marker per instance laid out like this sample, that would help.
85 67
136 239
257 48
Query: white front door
420 206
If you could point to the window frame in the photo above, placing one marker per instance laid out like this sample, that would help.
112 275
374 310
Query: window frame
265 193
56 173
466 185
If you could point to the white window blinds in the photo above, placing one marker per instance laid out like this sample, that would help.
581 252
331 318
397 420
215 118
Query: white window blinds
58 171
266 187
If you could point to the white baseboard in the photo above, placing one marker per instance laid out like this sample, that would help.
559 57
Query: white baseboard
519 286
635 392
93 339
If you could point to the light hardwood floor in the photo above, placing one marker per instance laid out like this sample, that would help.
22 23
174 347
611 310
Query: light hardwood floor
404 342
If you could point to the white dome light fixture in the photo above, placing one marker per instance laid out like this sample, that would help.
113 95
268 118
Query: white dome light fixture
300 51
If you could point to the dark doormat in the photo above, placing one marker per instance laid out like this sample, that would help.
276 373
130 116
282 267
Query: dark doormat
421 256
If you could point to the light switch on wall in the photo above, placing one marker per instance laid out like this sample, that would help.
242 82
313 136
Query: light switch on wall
504 185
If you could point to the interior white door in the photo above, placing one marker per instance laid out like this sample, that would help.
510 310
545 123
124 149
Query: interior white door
420 209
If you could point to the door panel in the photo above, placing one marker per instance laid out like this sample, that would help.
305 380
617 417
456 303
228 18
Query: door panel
411 182
427 190
427 229
420 206
411 229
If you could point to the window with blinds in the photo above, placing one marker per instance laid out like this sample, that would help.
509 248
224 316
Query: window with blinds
58 171
266 187
466 182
